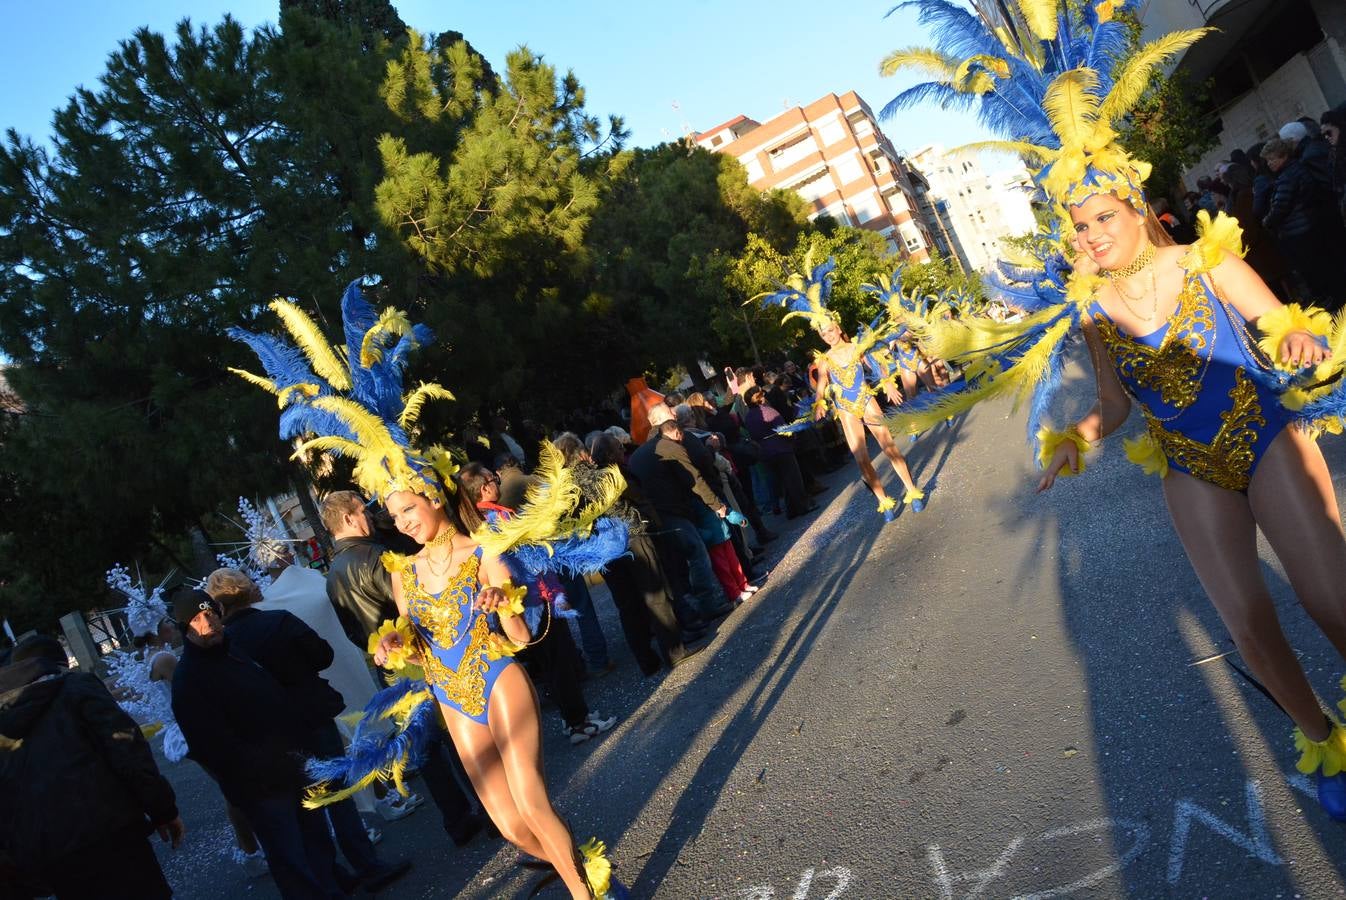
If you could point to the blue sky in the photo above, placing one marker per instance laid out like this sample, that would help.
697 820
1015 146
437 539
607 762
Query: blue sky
665 68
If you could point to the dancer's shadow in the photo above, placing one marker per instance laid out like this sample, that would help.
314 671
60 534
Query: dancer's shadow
1168 733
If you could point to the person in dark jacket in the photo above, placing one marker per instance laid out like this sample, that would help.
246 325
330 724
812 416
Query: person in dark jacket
79 790
244 729
673 484
778 454
1305 235
1333 124
295 655
361 590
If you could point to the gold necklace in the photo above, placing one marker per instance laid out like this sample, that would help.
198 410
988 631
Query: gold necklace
445 536
1136 266
1142 261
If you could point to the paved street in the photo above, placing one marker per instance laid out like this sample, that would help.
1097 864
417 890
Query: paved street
1003 696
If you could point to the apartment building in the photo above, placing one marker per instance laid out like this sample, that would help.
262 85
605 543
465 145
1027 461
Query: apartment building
833 154
978 210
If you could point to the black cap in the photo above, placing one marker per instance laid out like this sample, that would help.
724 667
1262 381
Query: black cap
187 603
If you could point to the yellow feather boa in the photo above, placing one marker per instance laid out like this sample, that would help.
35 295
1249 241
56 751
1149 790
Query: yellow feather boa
1145 452
1328 755
1284 321
1049 441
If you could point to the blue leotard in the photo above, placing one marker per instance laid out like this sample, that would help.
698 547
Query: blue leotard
847 386
1210 417
456 634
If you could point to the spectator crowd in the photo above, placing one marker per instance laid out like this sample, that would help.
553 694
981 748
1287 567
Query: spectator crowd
270 670
1289 195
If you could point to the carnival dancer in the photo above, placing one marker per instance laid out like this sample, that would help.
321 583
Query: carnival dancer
1231 418
464 618
842 385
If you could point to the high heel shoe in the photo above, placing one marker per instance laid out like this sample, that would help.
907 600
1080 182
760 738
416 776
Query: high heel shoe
1325 760
888 507
915 498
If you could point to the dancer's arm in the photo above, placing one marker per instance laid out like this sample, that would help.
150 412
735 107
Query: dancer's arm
820 387
1236 282
494 574
1106 416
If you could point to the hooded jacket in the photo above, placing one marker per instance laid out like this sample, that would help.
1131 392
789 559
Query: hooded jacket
74 767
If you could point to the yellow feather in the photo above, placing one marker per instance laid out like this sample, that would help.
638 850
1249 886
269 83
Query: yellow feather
925 59
1070 106
412 403
309 337
1041 17
339 445
265 384
391 322
1031 153
1134 76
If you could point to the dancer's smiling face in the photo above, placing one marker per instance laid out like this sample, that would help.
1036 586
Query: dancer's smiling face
1109 230
416 516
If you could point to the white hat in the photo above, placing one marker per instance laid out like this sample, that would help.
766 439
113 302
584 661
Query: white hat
619 433
1293 131
659 414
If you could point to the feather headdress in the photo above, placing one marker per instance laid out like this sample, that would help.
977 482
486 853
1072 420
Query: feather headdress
1053 77
804 294
351 401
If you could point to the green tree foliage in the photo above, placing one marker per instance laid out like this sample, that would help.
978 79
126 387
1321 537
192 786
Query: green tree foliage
199 179
1171 128
665 244
941 275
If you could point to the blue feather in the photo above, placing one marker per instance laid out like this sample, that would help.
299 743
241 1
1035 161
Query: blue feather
575 556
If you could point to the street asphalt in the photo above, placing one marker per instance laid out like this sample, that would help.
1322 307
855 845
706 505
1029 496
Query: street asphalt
1007 695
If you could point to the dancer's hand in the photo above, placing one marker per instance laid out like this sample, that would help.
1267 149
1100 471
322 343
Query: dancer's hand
489 599
1066 455
819 411
1083 262
1300 349
893 394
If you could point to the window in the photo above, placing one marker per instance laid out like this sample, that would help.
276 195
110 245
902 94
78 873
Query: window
831 132
717 140
848 169
911 237
754 167
897 202
788 154
866 207
860 124
816 187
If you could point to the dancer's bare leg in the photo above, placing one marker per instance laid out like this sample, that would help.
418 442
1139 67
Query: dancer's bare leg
874 417
1218 532
481 760
1296 508
854 432
515 724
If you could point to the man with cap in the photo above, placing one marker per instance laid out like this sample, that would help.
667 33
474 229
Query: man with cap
673 484
243 729
80 789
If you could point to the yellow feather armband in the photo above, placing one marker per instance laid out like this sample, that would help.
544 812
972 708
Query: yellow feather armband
1284 321
819 403
1214 240
1049 441
1328 755
399 651
513 605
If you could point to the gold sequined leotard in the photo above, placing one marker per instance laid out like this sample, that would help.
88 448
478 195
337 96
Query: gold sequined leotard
457 634
1209 416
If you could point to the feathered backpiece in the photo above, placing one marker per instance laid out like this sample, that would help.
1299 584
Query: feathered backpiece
1052 77
145 608
805 294
350 400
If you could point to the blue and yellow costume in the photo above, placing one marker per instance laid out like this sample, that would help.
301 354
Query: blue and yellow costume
456 637
1056 78
352 403
1208 414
